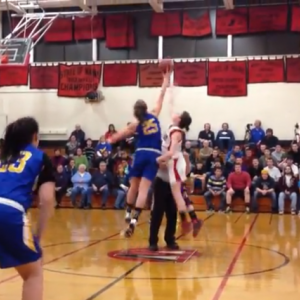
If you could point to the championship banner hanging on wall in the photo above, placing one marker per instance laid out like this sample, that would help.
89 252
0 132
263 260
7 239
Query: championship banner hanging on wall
295 22
78 80
265 70
88 28
293 69
190 73
43 77
268 18
150 75
165 24
13 75
196 24
227 79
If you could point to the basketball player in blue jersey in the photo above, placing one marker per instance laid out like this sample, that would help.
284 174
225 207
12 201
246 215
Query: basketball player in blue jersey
22 168
148 149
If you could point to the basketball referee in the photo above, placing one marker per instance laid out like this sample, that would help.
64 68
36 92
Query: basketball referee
164 203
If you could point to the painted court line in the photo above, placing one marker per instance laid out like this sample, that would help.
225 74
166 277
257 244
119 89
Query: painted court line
232 264
71 253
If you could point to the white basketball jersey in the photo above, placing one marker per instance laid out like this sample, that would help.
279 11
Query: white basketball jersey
166 144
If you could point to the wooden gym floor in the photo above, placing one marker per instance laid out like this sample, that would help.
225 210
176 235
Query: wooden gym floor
234 257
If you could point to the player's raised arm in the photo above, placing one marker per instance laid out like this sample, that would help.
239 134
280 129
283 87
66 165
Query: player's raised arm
124 133
160 100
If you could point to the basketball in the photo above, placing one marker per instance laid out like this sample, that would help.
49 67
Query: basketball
4 59
166 65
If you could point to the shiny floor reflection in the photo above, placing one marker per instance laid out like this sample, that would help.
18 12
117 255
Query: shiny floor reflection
238 256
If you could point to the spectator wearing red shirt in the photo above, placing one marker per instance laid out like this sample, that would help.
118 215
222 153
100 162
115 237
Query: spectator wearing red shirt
238 184
110 132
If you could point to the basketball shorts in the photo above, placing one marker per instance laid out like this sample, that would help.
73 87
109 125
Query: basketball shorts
18 246
144 165
177 169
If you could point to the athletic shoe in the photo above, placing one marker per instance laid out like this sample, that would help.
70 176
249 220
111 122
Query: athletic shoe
247 210
228 210
280 212
153 248
127 217
173 246
293 212
129 231
185 227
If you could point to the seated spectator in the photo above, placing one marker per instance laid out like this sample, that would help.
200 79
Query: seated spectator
206 135
70 170
261 150
111 130
295 153
236 151
272 170
79 135
122 184
229 165
290 162
80 159
265 187
216 186
89 152
248 158
198 175
210 161
238 184
102 180
256 133
269 139
225 138
255 170
205 151
278 154
263 159
81 182
71 146
58 159
102 146
192 155
288 188
239 161
61 184
109 161
212 171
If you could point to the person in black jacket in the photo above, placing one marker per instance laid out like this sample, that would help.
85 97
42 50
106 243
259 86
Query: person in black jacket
295 154
206 135
269 139
61 184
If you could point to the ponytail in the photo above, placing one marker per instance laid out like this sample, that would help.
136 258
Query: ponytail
18 135
140 110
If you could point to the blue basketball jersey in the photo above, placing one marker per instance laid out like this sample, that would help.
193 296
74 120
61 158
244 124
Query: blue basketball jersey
17 179
149 133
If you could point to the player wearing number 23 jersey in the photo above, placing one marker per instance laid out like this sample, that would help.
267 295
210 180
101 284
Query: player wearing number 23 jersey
20 174
148 148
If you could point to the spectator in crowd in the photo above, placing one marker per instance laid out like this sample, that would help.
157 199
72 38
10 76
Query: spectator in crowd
272 170
71 146
265 187
216 186
229 165
263 159
248 158
210 161
236 151
109 161
80 159
81 182
290 162
58 159
238 184
89 152
122 184
257 133
269 139
288 187
255 170
102 181
79 135
206 135
198 175
111 130
205 151
261 150
212 171
295 153
191 152
129 142
70 170
239 161
225 138
102 146
61 184
278 154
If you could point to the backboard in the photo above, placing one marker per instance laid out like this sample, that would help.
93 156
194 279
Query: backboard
16 49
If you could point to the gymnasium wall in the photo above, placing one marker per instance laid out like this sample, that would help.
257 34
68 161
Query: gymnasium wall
276 104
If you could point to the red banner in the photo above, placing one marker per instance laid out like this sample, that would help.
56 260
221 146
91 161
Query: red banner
13 75
87 28
232 21
295 23
165 24
268 18
26 30
198 25
150 75
60 30
227 79
263 71
190 73
293 69
120 74
43 77
119 31
78 80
